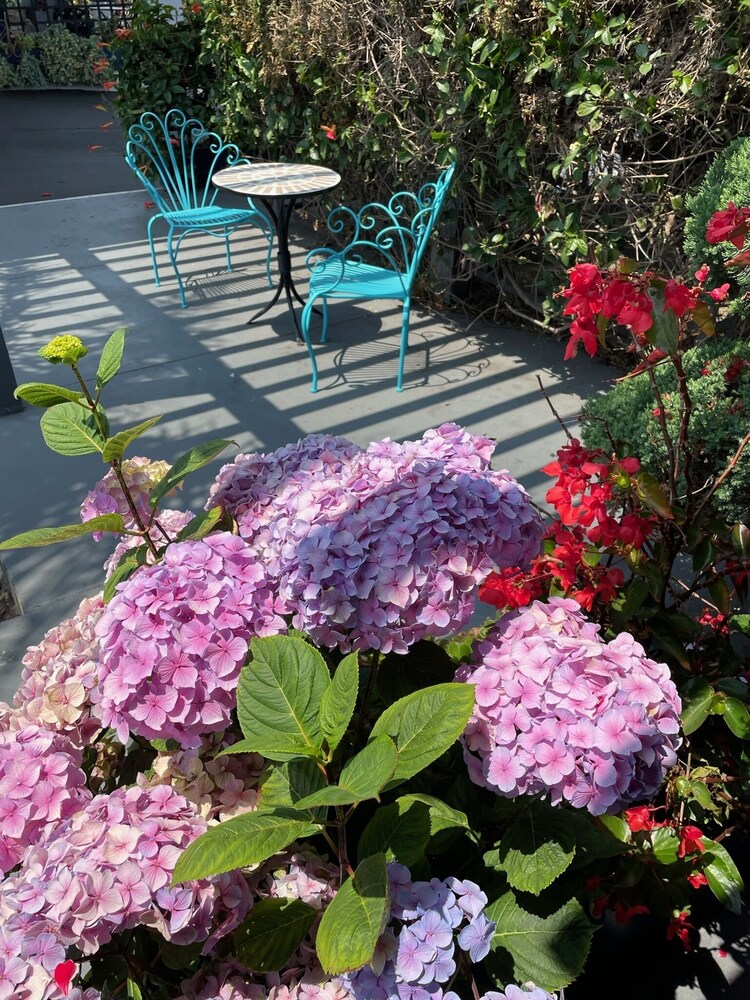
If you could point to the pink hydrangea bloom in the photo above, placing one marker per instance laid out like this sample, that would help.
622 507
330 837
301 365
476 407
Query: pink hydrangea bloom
378 548
170 521
58 676
107 496
219 787
561 712
175 636
108 868
41 783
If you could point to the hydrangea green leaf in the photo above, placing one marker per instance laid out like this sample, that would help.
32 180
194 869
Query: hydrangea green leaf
355 918
111 359
697 696
362 777
115 446
401 830
45 394
337 706
241 841
547 948
424 724
70 429
272 932
192 460
279 698
537 847
201 525
50 536
129 563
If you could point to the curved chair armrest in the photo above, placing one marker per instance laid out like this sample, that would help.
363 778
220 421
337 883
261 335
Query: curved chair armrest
324 256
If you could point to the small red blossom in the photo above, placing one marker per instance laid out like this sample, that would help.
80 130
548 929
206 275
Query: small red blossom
679 928
697 879
123 33
679 298
734 369
93 149
638 314
702 273
624 913
730 225
63 975
330 131
109 85
598 905
690 841
720 293
722 953
716 622
638 818
149 204
656 412
196 8
592 884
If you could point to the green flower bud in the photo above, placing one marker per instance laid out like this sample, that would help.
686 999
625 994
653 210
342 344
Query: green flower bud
65 350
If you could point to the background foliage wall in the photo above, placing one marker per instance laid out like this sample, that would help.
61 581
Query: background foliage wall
580 126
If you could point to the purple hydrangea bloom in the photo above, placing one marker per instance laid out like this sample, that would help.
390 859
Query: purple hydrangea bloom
416 955
559 711
107 868
175 636
381 547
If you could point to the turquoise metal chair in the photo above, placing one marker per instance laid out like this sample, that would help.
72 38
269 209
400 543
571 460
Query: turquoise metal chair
175 158
396 235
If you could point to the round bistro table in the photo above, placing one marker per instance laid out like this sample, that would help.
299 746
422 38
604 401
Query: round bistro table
278 186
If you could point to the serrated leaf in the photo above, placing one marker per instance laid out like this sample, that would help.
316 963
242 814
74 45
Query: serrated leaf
45 394
279 698
111 359
241 841
425 724
617 827
737 718
50 536
354 919
400 830
115 446
723 876
362 778
442 816
192 460
272 932
70 429
201 525
337 706
547 948
129 563
697 696
283 785
537 847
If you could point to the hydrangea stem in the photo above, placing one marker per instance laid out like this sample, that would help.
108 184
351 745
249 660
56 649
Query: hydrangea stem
116 466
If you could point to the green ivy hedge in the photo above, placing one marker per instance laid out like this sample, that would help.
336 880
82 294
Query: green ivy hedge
579 126
53 57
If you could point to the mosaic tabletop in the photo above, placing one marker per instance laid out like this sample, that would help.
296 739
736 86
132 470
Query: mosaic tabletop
276 180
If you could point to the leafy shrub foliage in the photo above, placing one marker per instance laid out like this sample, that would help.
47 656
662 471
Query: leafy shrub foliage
727 180
66 58
719 384
577 124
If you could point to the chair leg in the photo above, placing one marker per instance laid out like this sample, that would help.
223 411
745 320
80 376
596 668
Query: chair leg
152 220
268 258
173 258
324 331
404 345
306 314
229 252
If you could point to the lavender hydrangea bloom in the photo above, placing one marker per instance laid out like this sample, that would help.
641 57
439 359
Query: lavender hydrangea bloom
561 712
107 868
381 547
416 955
41 783
175 636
